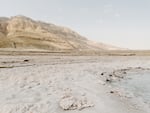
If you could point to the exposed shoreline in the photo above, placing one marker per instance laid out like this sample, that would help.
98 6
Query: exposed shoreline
118 76
38 83
44 52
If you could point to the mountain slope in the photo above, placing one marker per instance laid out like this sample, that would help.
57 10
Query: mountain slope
23 32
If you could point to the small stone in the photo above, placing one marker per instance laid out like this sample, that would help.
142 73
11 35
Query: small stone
102 73
26 60
110 75
112 92
108 80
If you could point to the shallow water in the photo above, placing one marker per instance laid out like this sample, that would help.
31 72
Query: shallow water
138 83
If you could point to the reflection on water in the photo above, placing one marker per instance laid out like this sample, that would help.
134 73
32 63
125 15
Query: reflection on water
138 84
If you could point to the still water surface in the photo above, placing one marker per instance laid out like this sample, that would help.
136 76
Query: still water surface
138 84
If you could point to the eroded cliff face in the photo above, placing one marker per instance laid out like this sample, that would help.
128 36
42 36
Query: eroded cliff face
3 26
23 32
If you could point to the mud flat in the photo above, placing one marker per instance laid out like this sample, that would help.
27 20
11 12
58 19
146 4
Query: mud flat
71 84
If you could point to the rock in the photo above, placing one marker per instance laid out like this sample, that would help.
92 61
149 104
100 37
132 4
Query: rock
110 75
102 73
68 103
72 103
112 92
26 60
84 103
108 80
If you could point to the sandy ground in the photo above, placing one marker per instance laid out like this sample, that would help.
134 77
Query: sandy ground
59 84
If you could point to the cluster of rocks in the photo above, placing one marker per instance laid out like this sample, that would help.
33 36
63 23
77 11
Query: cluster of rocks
70 102
117 75
120 73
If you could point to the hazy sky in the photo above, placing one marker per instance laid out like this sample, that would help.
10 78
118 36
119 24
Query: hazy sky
125 23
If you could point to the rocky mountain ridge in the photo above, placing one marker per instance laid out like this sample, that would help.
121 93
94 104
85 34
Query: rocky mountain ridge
25 33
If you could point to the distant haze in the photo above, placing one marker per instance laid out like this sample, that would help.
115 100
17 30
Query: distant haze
124 23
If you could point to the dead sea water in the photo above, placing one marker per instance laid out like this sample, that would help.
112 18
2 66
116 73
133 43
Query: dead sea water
138 84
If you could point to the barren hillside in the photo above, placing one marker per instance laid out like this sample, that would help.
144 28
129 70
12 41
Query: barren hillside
24 33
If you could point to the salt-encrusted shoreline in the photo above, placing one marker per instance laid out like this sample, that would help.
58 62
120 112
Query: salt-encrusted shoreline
72 84
117 76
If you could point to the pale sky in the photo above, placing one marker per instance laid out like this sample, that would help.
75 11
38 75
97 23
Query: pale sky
124 23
